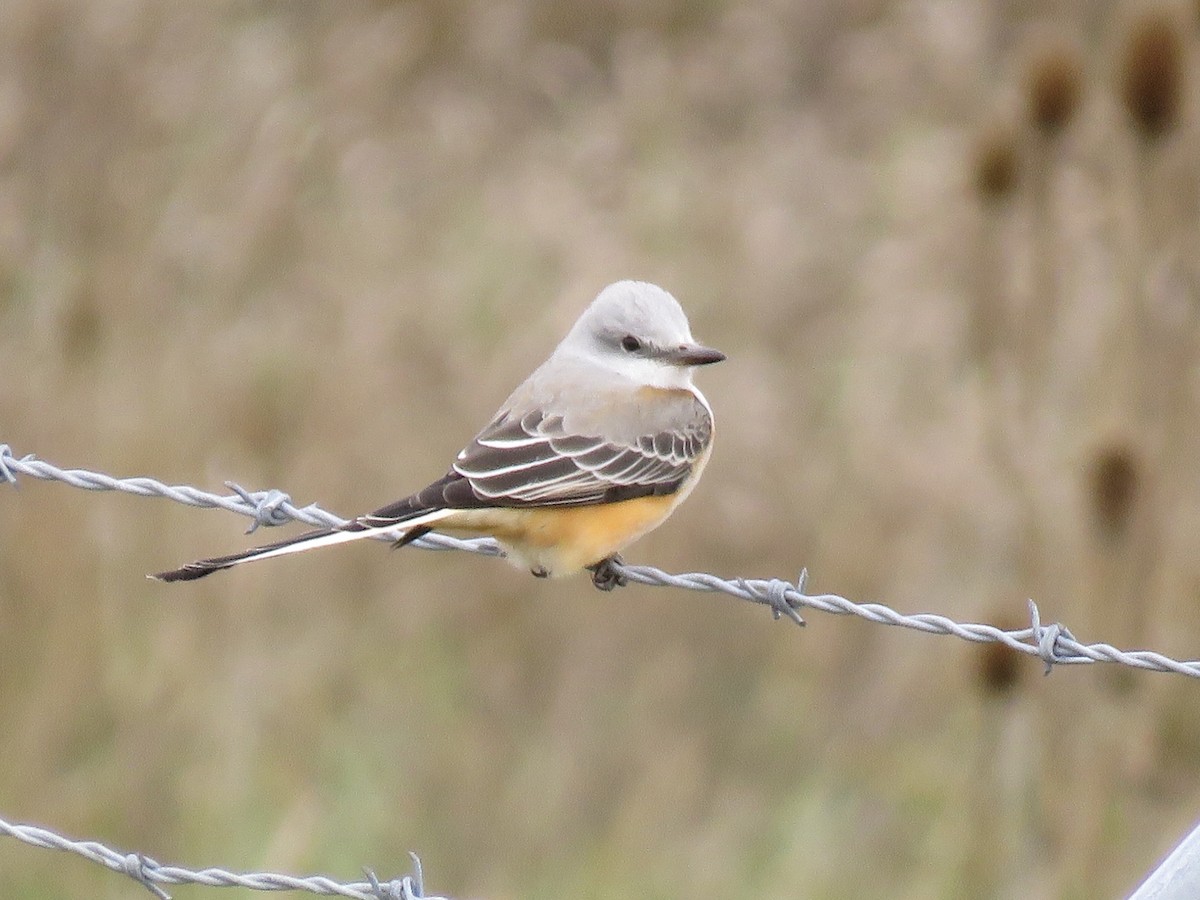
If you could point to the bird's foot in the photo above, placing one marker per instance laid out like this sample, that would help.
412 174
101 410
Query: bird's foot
539 572
606 575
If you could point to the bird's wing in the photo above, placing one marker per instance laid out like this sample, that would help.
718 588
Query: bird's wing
535 460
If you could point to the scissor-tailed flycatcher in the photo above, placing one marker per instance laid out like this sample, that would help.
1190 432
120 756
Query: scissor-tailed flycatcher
595 449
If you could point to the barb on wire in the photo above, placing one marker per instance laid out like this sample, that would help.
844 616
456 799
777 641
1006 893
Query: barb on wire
152 875
1054 644
264 507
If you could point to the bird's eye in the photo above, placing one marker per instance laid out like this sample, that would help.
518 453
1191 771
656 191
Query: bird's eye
630 344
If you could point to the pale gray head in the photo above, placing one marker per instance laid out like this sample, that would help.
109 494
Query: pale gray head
639 330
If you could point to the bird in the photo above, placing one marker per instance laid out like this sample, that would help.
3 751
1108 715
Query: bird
596 448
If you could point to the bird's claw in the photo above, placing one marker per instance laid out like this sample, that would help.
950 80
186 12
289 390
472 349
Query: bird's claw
606 575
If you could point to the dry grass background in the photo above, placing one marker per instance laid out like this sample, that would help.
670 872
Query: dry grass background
951 250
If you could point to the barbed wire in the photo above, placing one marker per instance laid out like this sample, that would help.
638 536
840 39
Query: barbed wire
151 874
1054 644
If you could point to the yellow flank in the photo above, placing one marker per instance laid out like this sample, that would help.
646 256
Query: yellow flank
562 541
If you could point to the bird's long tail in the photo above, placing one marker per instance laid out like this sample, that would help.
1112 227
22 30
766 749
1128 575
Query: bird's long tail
405 529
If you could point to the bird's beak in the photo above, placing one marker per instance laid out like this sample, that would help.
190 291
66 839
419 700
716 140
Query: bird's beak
692 355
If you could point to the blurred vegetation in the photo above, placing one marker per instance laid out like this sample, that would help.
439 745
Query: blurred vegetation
950 249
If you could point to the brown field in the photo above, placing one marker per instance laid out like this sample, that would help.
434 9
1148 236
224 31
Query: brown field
951 251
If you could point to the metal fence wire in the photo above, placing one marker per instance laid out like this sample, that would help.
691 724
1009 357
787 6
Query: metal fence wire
152 875
1053 644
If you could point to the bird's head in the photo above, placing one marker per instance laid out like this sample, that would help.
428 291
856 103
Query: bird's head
638 329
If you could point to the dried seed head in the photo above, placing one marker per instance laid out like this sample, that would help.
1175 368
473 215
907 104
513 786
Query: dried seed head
1114 481
995 162
1054 84
82 329
1152 74
999 667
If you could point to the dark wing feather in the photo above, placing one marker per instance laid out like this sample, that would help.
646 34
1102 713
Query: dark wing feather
534 461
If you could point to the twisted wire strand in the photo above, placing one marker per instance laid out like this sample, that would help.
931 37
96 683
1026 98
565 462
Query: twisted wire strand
269 507
151 874
1053 644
